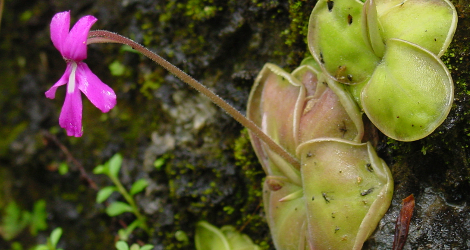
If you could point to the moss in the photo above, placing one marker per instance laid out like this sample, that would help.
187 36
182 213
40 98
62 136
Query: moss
252 220
296 35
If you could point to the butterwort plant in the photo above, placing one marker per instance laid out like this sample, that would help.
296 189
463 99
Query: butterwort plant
72 45
325 186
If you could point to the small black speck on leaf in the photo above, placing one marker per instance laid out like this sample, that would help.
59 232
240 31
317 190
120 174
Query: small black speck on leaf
325 197
366 192
330 5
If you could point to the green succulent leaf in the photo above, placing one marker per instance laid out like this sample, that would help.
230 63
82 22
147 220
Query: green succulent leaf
410 93
429 23
138 186
208 237
117 208
355 125
146 247
371 29
274 84
104 193
277 119
336 40
55 236
310 61
134 246
41 247
237 240
115 165
101 169
327 110
124 233
347 190
122 245
287 220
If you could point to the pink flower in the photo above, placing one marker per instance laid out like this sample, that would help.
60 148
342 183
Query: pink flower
73 48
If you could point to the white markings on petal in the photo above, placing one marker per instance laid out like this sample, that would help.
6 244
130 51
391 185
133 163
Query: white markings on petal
71 84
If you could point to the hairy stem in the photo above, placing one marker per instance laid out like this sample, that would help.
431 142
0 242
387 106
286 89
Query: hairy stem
103 36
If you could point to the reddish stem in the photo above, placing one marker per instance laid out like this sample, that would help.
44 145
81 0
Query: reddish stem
403 222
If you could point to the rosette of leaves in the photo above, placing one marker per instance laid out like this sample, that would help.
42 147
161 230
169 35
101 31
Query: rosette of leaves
388 51
341 189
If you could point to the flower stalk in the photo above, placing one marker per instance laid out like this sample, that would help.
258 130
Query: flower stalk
103 36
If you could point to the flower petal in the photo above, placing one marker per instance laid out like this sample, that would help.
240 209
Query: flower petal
74 47
71 115
60 26
100 94
63 80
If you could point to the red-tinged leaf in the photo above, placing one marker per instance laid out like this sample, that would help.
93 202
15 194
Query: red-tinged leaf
403 222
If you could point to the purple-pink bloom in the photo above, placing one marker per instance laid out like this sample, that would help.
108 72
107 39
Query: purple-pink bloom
72 45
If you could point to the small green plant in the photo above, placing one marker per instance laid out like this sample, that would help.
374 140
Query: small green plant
63 168
52 241
122 245
111 169
15 220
